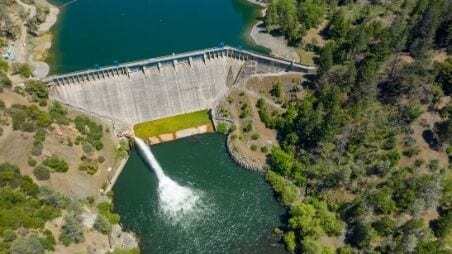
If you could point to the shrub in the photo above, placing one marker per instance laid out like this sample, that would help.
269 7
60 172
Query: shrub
48 241
89 167
87 148
385 226
410 152
223 128
260 103
58 113
411 112
4 80
255 136
9 235
31 162
28 118
92 131
105 209
264 149
276 90
27 244
38 91
41 173
253 147
72 230
37 149
248 127
56 164
22 69
102 225
433 165
101 159
4 67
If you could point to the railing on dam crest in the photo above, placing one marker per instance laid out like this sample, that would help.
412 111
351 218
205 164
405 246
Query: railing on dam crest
205 54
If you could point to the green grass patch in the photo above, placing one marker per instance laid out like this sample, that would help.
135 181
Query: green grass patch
171 124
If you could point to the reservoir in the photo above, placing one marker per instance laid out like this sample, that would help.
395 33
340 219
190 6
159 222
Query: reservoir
93 33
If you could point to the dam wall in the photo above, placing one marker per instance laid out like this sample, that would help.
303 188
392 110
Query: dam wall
160 87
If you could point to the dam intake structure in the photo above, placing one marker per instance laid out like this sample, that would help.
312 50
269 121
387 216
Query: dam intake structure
160 87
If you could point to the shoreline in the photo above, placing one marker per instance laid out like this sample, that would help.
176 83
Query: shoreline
277 45
41 66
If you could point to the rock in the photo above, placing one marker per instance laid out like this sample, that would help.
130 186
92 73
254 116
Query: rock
121 239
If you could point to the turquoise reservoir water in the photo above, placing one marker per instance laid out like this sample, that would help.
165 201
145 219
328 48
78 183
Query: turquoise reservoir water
92 33
238 210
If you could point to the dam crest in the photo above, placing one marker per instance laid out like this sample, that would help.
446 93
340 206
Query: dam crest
160 87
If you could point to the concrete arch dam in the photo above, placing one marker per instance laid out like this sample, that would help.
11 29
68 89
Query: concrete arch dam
165 86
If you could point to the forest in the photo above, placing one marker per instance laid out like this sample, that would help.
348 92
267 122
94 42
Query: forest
350 166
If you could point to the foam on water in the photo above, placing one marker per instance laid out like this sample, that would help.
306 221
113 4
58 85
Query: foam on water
175 201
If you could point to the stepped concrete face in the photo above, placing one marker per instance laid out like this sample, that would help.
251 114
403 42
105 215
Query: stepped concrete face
146 90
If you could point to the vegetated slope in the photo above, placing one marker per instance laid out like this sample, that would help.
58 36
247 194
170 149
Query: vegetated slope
362 163
53 162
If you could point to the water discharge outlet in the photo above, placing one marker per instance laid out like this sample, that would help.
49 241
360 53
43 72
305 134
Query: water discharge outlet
175 201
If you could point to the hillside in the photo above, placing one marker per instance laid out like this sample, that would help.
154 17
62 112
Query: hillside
363 161
55 163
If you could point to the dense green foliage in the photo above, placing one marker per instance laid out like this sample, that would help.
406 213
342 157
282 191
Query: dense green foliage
293 17
91 131
28 118
349 165
105 209
102 225
56 164
24 205
38 91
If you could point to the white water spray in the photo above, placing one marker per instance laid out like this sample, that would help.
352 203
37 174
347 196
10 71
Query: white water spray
175 200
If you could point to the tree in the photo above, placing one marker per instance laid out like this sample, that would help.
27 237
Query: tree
360 235
424 31
310 13
444 76
290 241
281 161
326 59
339 26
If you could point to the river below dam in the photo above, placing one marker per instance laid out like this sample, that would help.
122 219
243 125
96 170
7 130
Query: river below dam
236 212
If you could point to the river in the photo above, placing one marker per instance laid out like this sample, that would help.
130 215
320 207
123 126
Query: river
238 210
